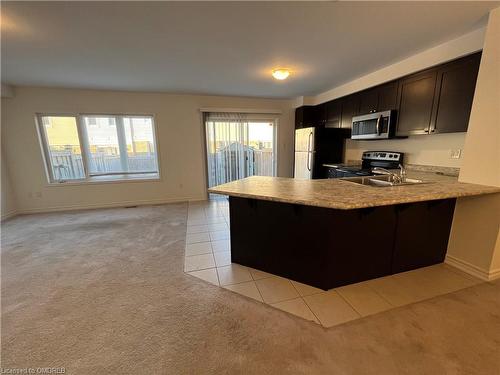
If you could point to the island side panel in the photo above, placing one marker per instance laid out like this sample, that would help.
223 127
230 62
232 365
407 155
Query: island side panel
322 247
422 233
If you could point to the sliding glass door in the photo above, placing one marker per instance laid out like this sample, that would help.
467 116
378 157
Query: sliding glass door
239 146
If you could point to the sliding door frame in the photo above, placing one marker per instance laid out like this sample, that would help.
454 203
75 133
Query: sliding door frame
254 115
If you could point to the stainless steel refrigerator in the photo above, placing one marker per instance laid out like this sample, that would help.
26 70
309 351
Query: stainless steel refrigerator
304 152
315 147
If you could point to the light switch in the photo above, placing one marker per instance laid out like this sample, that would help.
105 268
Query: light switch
455 154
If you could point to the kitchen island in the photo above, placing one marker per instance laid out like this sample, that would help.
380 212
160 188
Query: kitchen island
328 233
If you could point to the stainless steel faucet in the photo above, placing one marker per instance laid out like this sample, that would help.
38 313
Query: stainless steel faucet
397 178
402 172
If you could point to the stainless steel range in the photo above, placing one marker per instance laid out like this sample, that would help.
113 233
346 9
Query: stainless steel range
369 161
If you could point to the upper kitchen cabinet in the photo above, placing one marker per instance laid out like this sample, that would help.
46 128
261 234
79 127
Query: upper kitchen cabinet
456 83
436 100
387 96
329 114
368 101
320 115
350 108
333 114
379 98
306 116
416 100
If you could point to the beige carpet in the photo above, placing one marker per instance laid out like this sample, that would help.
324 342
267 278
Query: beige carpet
103 292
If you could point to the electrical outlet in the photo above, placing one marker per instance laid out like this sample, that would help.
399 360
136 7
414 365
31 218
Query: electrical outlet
456 154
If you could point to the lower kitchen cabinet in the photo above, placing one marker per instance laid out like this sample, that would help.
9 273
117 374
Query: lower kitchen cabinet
327 248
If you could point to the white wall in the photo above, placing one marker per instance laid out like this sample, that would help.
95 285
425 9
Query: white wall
420 149
179 135
475 236
461 46
8 201
7 91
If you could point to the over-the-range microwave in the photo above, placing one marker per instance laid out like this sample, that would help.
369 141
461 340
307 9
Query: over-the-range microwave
378 125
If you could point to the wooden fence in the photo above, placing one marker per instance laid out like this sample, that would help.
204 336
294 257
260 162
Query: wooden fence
69 166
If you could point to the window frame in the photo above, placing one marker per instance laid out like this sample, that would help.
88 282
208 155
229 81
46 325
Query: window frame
112 177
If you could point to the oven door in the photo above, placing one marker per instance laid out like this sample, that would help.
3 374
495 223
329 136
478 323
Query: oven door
372 126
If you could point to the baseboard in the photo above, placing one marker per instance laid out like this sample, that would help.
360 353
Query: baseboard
77 207
471 269
9 215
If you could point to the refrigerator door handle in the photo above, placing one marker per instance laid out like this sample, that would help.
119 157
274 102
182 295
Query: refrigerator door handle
309 152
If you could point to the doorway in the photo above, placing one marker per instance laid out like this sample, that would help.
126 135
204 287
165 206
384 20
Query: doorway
239 146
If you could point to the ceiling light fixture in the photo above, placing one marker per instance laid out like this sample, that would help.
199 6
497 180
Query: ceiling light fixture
281 74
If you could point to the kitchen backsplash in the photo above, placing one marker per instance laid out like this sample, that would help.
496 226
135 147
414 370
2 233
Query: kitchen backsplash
430 150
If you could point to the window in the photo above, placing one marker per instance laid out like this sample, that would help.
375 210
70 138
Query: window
98 147
63 148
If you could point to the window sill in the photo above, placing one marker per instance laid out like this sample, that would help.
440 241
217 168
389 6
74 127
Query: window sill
113 179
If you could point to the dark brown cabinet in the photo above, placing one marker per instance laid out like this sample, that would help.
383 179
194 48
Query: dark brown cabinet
329 114
436 100
421 236
350 108
368 101
379 98
323 247
456 84
320 115
333 114
305 116
387 96
416 100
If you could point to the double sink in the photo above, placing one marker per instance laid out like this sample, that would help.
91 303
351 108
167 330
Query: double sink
383 181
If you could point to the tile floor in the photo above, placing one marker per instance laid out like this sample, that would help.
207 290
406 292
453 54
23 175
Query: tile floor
208 257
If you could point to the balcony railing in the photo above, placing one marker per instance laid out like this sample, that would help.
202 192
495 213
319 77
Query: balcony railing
225 166
69 166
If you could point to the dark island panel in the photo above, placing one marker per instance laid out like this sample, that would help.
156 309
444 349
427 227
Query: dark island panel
328 248
422 234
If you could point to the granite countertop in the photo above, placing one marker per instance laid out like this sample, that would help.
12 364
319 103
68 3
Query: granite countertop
339 194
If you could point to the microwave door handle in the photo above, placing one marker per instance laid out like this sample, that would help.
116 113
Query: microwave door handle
379 120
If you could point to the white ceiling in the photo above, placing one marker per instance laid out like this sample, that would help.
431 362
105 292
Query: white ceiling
220 48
